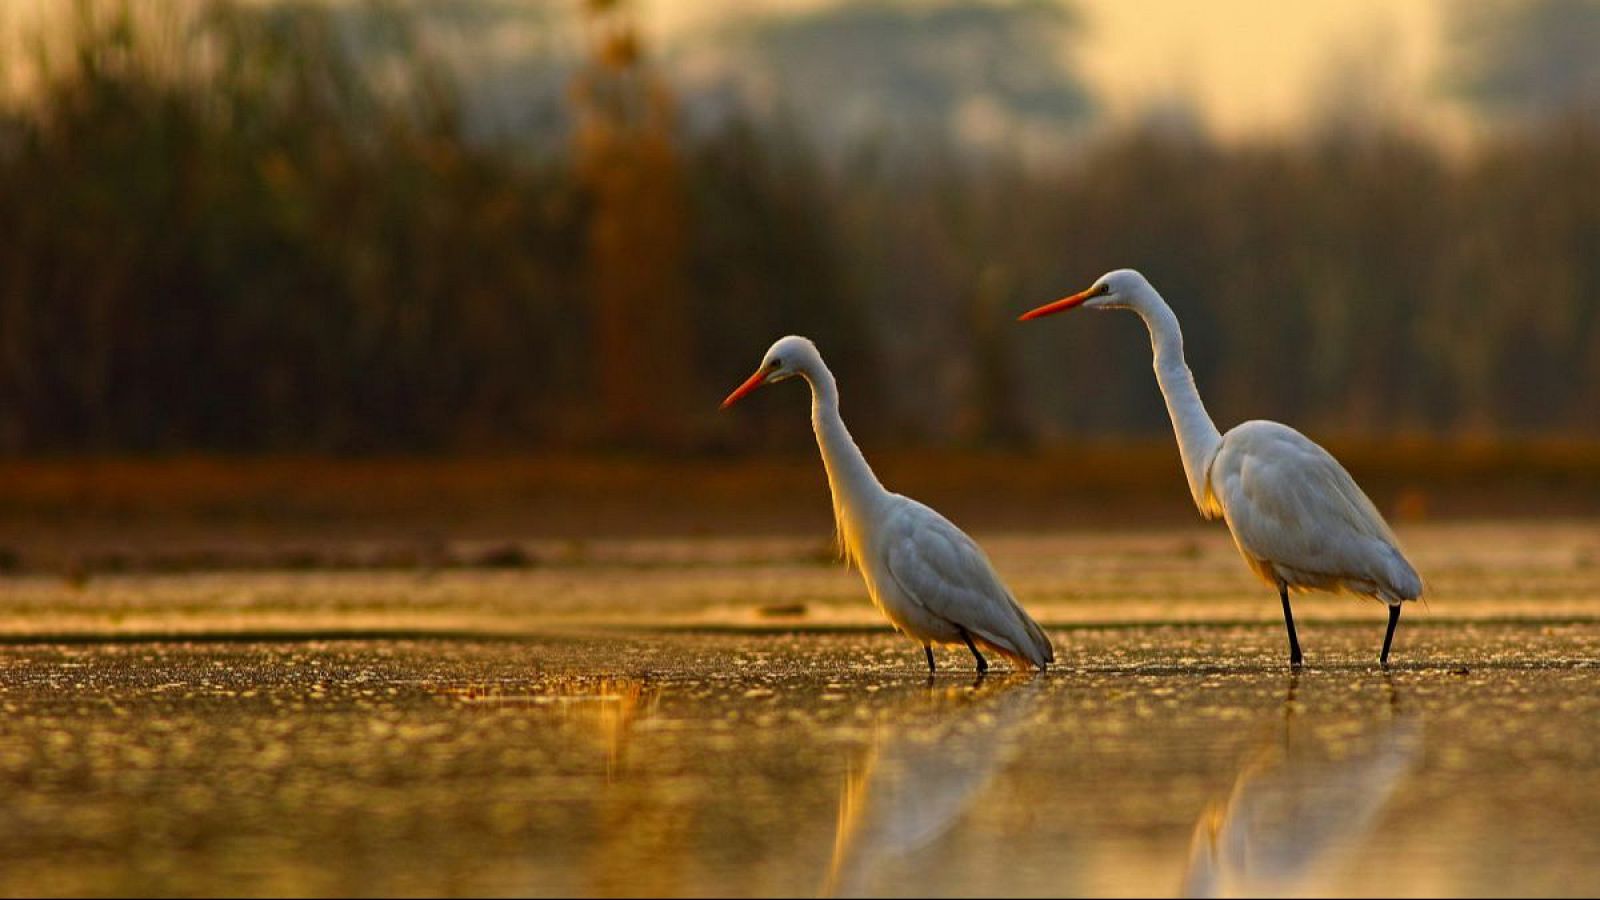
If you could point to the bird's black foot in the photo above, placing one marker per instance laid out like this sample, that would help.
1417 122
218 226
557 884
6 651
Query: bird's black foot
983 664
1388 636
928 650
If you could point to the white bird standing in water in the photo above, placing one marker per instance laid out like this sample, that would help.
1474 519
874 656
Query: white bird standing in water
923 573
1296 515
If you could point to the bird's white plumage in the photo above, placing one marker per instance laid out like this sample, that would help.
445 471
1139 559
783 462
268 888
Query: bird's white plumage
1296 515
1299 518
949 580
928 578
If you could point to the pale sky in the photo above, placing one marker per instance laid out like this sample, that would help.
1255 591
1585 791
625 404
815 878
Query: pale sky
1252 66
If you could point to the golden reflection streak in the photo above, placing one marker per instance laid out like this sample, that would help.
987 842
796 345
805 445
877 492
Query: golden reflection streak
606 707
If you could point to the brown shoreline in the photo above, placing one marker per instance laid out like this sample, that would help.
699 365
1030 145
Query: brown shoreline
198 513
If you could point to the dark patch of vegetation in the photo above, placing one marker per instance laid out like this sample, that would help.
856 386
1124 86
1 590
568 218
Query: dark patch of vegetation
253 241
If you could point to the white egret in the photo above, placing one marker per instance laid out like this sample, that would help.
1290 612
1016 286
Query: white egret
1297 516
923 573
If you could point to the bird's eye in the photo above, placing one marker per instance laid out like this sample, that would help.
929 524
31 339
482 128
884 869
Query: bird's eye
775 363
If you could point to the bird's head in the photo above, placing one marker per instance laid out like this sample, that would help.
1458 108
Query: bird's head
790 356
1121 289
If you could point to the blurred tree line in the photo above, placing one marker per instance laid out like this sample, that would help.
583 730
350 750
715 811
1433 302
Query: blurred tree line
255 241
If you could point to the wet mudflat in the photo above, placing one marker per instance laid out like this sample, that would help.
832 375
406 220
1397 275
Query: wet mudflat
1156 759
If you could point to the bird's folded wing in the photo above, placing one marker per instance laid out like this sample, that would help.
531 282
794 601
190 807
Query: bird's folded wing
1292 503
941 569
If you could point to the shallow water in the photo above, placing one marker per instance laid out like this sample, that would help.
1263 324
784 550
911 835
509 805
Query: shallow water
1154 760
714 716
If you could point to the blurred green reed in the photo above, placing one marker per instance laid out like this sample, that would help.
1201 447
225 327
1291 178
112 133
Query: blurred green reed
236 233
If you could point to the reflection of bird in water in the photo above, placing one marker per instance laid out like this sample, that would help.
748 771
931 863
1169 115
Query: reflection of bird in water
919 778
1296 809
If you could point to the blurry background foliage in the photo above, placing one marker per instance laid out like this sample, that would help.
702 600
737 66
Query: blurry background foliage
291 227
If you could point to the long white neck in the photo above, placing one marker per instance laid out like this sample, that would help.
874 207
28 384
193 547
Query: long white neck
856 490
1198 438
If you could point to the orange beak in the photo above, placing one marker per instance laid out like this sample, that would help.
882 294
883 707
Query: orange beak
1062 305
750 384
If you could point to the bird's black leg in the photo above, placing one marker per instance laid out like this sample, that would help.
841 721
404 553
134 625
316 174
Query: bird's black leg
983 664
1388 636
928 649
1288 619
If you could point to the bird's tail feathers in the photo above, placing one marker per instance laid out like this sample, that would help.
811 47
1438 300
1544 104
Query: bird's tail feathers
1028 646
1043 649
1404 582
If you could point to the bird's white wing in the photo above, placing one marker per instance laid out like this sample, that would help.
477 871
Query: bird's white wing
1289 502
938 567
